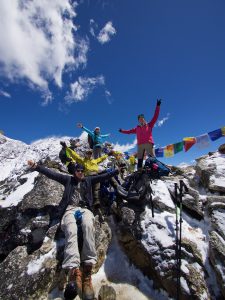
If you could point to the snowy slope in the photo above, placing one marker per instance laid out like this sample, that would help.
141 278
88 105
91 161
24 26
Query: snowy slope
13 165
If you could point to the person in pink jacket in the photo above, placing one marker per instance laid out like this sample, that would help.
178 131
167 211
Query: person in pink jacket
144 134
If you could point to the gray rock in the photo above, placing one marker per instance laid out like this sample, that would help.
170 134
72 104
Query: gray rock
217 258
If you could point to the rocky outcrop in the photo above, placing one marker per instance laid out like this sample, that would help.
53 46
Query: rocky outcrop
151 246
32 243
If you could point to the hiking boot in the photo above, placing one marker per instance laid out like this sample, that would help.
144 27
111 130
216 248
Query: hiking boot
62 280
75 277
121 191
88 291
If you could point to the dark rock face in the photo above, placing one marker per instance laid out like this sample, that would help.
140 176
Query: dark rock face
32 243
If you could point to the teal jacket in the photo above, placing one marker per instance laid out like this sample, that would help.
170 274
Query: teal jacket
98 139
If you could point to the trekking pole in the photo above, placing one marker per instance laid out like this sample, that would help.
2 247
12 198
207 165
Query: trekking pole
182 188
152 205
177 240
151 192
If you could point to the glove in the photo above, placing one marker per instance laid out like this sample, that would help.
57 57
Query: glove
63 144
159 102
120 130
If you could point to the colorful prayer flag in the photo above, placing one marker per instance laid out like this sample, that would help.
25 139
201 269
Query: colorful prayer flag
189 142
215 134
169 151
202 141
159 152
223 130
178 147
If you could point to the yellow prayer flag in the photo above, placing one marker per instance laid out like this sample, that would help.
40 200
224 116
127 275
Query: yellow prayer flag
223 130
169 150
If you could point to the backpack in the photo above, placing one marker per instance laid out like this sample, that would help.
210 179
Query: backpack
63 157
138 185
156 168
90 141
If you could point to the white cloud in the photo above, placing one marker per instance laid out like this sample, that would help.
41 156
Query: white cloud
106 33
126 147
81 88
108 96
161 122
93 27
5 94
37 41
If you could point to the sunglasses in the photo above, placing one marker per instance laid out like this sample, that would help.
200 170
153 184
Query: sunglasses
80 171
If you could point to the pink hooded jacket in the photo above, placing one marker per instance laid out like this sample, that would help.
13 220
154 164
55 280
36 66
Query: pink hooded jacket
144 133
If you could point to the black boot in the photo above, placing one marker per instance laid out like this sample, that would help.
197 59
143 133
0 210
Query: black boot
74 286
140 162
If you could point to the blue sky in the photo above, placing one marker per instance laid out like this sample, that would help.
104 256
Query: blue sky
104 62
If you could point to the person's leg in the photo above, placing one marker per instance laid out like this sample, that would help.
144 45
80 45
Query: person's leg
149 149
97 152
71 262
140 155
71 252
88 256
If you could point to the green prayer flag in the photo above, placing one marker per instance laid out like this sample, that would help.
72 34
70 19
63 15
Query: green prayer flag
178 147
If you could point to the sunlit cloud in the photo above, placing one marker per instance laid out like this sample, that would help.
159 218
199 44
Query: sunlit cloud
106 33
126 147
39 42
5 94
80 89
108 96
93 27
161 122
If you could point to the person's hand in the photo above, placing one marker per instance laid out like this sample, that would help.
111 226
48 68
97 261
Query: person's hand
32 164
79 125
120 130
159 102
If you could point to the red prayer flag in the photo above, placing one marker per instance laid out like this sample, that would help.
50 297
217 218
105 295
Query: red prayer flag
188 143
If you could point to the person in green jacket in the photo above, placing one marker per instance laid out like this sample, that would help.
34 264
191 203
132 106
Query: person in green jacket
97 139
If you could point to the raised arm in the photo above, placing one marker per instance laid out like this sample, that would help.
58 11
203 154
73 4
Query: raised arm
100 159
133 130
74 155
63 179
104 136
80 125
156 114
103 177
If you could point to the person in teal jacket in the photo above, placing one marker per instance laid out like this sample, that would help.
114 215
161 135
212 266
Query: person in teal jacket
97 139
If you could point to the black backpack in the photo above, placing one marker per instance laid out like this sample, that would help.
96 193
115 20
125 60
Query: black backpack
63 157
90 141
156 168
138 185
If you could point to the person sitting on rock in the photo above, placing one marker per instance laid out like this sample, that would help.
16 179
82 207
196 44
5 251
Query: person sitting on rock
91 167
78 197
